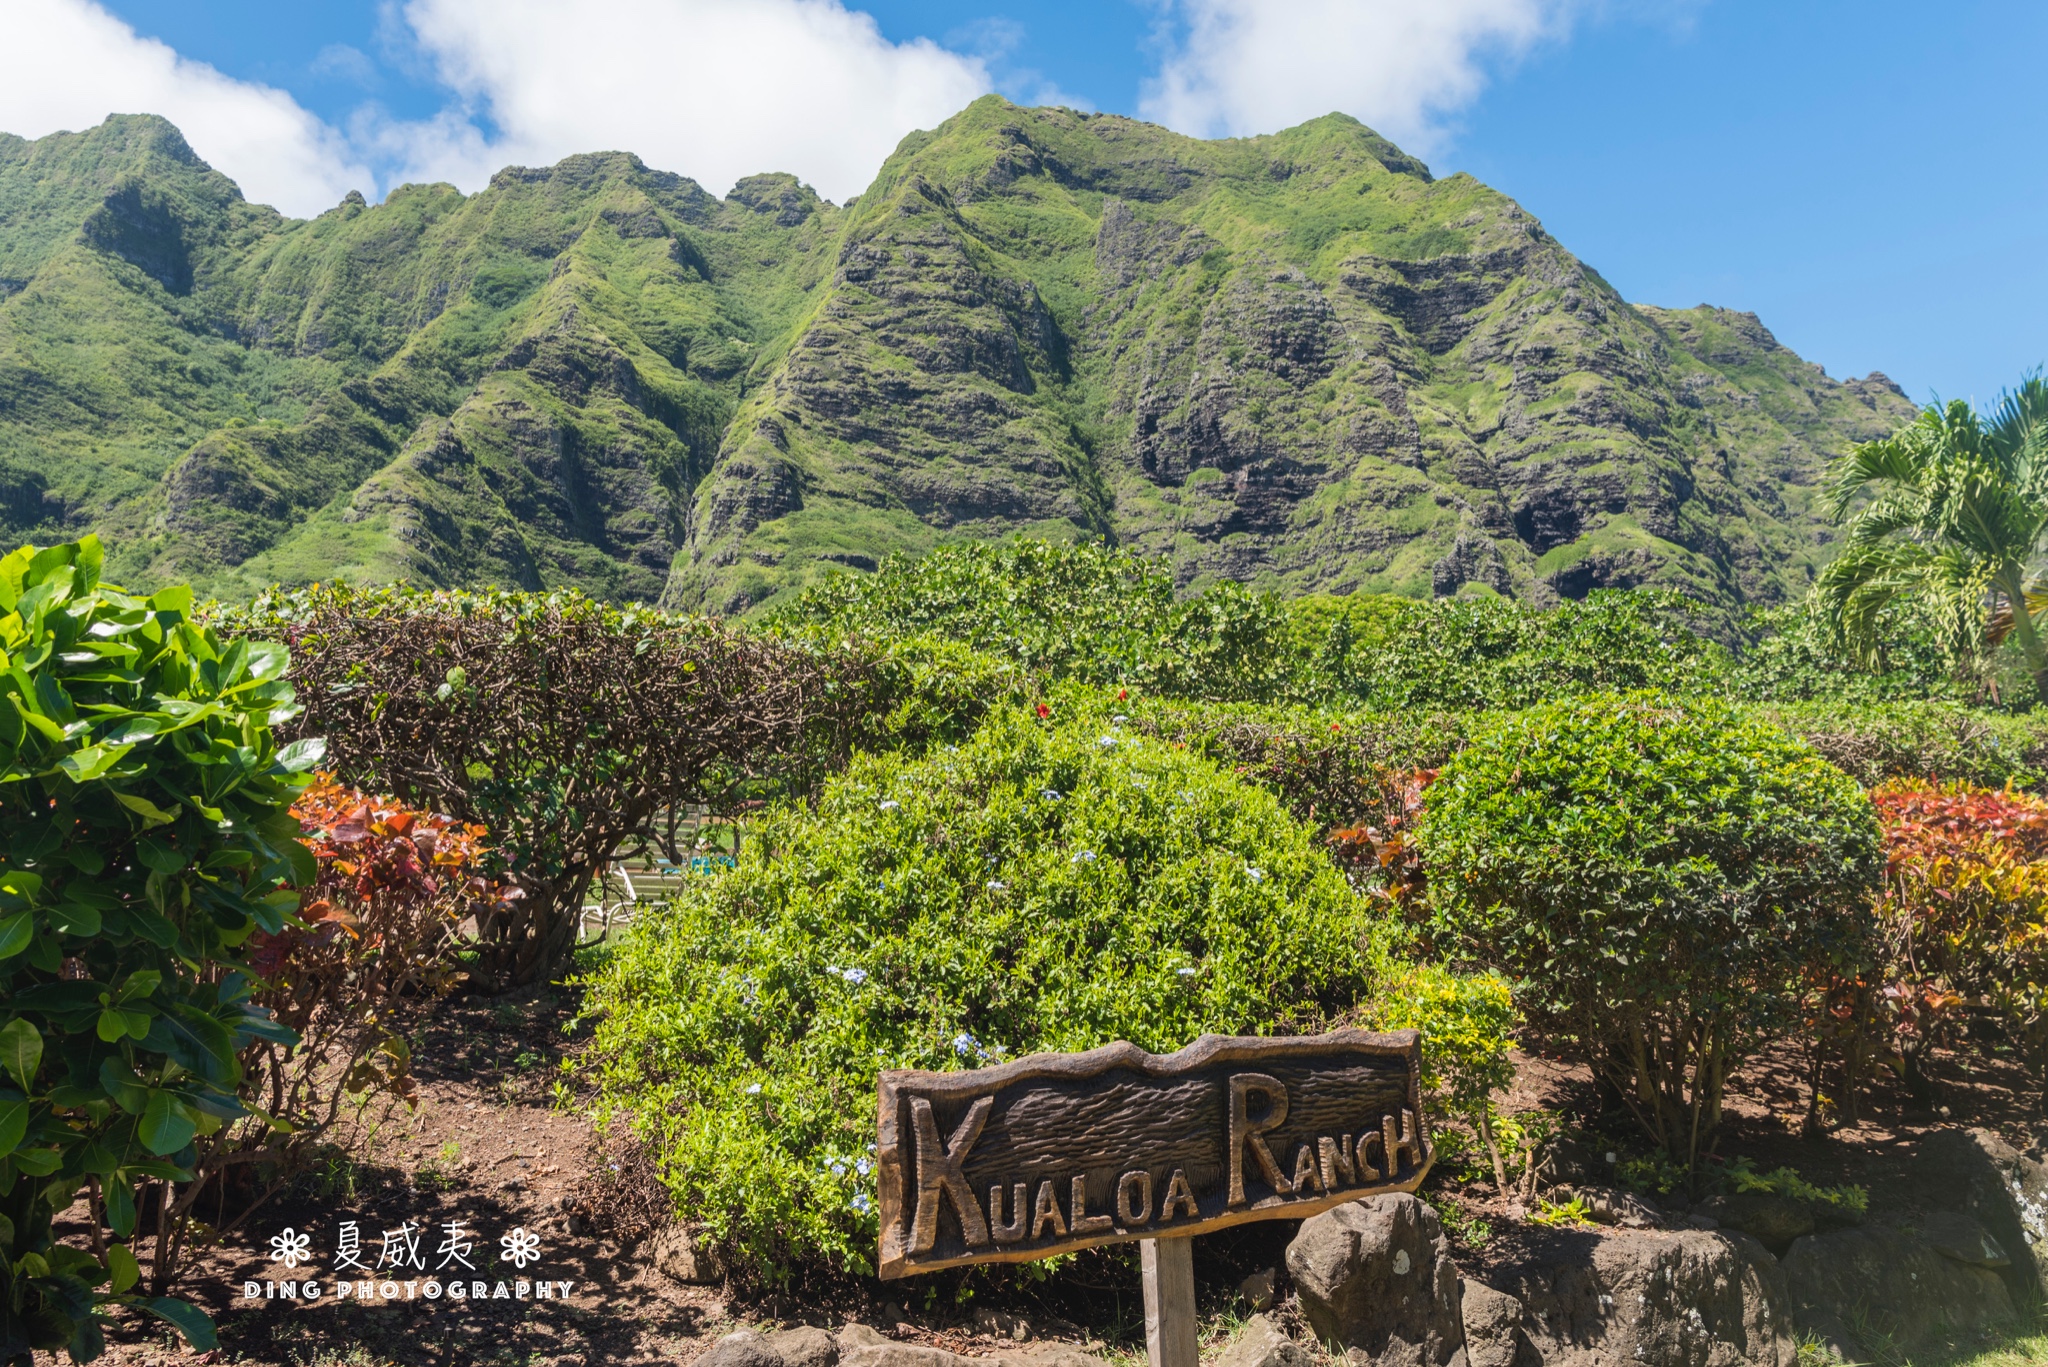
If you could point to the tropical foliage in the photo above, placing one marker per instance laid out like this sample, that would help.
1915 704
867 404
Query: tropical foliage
149 838
1948 514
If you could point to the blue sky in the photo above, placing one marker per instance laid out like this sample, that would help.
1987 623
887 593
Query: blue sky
1869 178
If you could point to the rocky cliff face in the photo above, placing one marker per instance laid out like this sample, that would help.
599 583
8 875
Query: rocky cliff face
1295 360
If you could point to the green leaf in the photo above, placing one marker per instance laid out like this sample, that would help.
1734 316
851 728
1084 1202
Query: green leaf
21 1052
91 761
70 918
122 1271
158 856
188 1319
301 755
166 1127
15 933
122 1085
13 1125
38 1162
112 1027
151 814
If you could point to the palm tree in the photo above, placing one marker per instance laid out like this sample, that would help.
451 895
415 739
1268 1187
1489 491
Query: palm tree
1950 513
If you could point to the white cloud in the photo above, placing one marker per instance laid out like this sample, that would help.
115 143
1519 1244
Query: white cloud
70 64
715 89
1239 67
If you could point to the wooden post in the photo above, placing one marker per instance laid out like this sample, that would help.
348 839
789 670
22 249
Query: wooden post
1169 1268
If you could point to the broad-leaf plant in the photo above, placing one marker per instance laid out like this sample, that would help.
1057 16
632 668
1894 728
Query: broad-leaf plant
147 835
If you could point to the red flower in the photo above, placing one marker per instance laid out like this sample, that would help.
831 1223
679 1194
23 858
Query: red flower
1044 711
1122 693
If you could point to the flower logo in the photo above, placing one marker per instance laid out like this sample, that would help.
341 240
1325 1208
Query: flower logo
521 1248
291 1247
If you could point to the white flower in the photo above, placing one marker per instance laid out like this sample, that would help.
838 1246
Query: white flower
1084 856
890 804
1119 719
753 1089
860 1202
1187 972
521 1248
1049 794
838 1168
863 1167
964 1045
995 885
291 1247
1106 742
1256 875
855 976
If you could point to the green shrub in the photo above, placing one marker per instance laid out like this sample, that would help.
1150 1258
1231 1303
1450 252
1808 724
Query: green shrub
1084 612
1487 653
1042 887
1791 658
1875 741
147 828
1661 875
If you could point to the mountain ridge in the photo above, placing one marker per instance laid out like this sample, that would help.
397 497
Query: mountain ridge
1298 360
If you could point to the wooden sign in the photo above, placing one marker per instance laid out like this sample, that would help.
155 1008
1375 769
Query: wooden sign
1065 1151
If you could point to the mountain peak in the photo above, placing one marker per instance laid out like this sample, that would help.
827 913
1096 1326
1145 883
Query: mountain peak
1295 360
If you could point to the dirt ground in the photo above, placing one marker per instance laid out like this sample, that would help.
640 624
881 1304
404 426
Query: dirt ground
499 1143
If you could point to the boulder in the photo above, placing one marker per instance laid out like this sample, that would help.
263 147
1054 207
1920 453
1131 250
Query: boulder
1000 1325
677 1255
1260 1289
804 1347
1843 1283
855 1335
1040 1355
1957 1236
1688 1298
1494 1332
1774 1220
1376 1276
740 1349
1264 1344
1978 1174
890 1353
1613 1206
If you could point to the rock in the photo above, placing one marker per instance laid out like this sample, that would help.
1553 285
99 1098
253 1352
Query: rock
1978 1174
1376 1275
1040 1355
741 1349
1494 1334
997 1324
1774 1220
1613 1206
1683 1299
677 1255
890 1353
1258 1289
1886 1278
1963 1239
856 1335
1264 1344
1703 1222
804 1347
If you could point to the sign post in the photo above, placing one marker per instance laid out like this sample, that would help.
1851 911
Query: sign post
1058 1152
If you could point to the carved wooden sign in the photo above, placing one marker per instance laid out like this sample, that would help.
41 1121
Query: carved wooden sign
1065 1151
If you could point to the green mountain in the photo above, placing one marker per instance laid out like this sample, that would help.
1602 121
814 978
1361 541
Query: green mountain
1295 360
